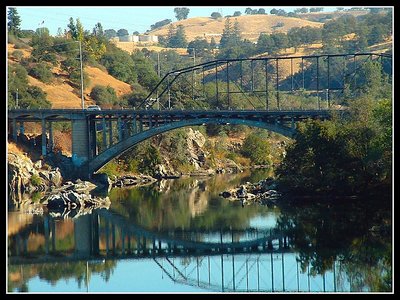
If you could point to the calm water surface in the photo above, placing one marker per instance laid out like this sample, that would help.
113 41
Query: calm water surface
180 236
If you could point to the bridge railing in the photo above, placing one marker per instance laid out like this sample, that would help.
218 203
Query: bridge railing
270 83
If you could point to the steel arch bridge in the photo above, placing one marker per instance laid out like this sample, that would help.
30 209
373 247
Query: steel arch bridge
254 92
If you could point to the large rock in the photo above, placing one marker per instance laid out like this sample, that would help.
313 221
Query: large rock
195 142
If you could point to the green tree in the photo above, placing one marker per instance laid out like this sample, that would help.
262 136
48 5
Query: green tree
110 33
28 96
146 75
14 21
200 45
177 39
103 95
122 32
42 72
216 15
76 29
98 30
42 44
181 13
257 148
265 43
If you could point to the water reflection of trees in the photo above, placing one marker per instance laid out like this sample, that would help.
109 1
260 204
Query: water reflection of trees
183 204
81 271
357 232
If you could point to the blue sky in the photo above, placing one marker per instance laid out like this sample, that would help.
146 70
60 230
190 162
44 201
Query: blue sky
132 18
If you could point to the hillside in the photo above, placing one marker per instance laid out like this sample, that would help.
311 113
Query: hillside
327 16
60 92
250 25
131 47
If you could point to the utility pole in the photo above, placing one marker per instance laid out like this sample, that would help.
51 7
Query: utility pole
80 56
159 76
16 98
158 64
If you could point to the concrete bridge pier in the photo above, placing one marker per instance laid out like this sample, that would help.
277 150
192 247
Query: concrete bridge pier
44 140
86 235
80 142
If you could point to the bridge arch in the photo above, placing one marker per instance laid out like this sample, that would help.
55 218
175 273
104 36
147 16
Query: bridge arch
103 158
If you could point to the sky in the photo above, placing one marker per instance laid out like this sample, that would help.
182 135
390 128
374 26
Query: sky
131 18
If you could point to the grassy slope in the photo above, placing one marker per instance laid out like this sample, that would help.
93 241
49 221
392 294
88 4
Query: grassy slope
250 25
60 92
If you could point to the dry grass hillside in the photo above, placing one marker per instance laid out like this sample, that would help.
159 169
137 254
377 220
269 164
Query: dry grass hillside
250 25
130 47
61 93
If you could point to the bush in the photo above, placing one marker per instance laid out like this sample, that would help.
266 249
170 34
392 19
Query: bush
111 169
42 72
257 149
36 180
17 54
103 95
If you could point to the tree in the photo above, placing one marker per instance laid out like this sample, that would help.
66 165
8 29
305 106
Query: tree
265 43
160 24
98 30
216 15
273 11
281 40
248 11
122 32
14 21
281 12
213 44
181 13
201 46
103 95
261 11
237 14
146 75
257 149
110 33
178 39
76 30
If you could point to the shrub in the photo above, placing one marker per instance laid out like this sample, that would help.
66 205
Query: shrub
42 72
36 180
103 95
17 54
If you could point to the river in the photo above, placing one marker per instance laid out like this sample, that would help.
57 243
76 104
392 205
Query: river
180 236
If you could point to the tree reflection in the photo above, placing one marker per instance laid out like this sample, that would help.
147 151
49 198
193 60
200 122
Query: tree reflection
357 232
183 204
54 272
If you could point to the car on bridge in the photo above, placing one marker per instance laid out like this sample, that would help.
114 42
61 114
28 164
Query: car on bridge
93 107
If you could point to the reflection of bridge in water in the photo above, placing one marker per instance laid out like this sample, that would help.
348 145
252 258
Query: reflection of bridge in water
229 261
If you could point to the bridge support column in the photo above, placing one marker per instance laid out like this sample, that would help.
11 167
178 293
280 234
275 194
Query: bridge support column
51 137
83 235
80 142
110 132
141 124
125 130
44 153
104 133
14 129
21 128
92 138
119 125
134 129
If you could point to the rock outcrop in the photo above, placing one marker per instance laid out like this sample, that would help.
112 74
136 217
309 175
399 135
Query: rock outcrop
262 192
72 204
26 176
